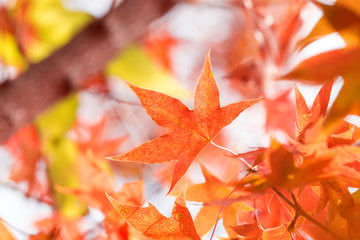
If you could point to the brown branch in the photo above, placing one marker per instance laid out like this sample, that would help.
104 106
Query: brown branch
45 83
300 211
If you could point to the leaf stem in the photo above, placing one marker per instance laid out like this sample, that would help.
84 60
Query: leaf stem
234 153
111 97
300 211
221 209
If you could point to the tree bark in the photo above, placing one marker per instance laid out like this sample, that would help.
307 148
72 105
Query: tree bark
45 83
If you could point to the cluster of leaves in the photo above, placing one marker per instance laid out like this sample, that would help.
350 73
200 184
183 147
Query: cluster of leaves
30 30
303 187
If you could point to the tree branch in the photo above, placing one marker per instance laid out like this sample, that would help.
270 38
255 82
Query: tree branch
45 83
302 212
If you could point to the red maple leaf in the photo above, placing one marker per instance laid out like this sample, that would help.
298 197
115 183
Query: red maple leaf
189 131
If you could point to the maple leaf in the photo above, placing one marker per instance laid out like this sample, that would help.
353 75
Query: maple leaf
340 62
220 161
319 145
285 171
284 232
254 231
25 146
343 17
344 134
158 45
214 189
340 18
189 131
130 193
344 159
249 60
151 223
92 193
251 231
58 226
91 138
95 177
342 203
316 144
305 115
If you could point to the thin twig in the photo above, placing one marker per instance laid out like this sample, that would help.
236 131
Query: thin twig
223 206
109 96
235 154
221 209
302 212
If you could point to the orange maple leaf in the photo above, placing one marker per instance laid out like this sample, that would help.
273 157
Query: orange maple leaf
250 231
91 138
344 134
254 231
285 170
25 147
306 116
316 144
345 204
57 226
158 45
339 62
340 17
336 148
343 18
95 180
211 190
150 222
189 131
284 232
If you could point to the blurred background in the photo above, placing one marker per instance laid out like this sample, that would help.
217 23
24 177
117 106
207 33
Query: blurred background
253 44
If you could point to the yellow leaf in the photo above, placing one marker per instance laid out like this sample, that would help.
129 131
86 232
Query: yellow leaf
61 153
134 66
57 120
9 52
55 26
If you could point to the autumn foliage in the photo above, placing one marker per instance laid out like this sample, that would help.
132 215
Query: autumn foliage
301 179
